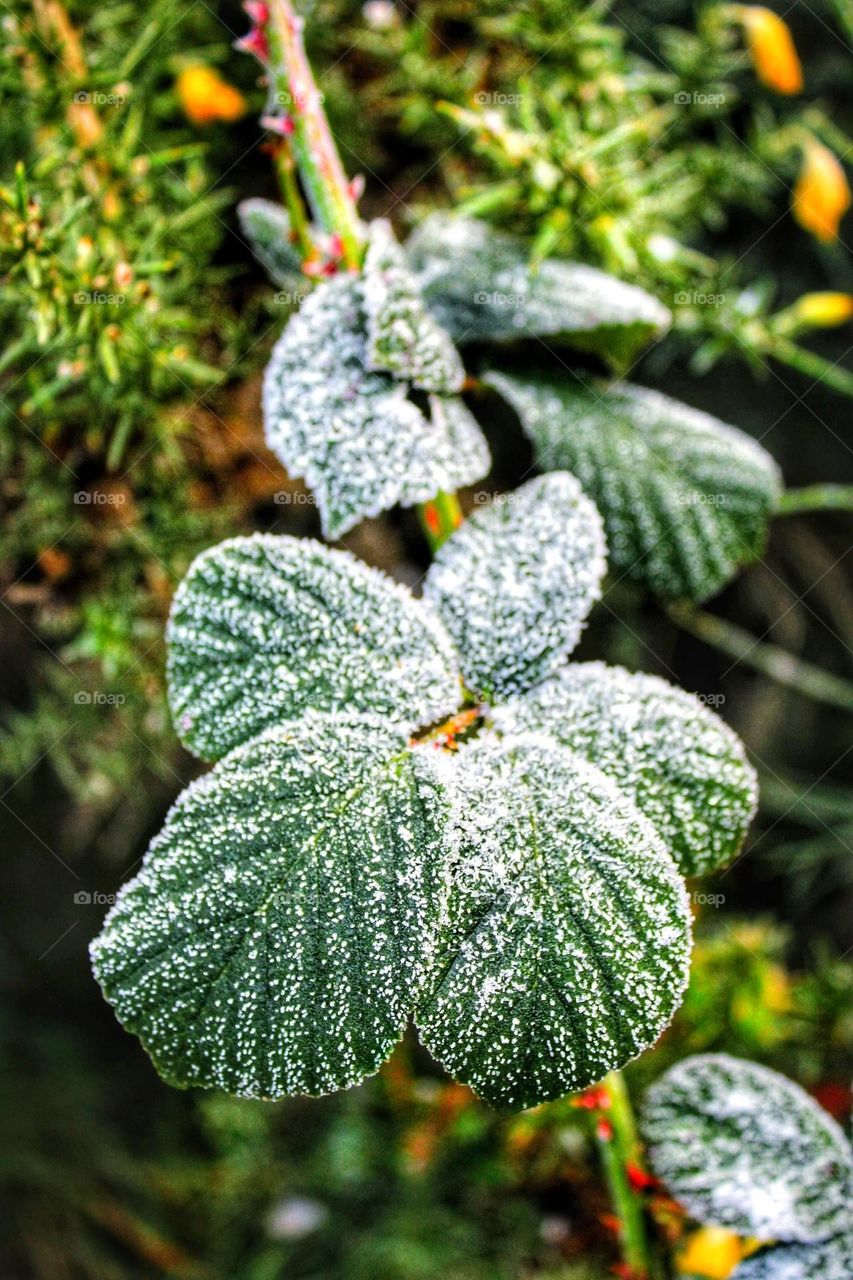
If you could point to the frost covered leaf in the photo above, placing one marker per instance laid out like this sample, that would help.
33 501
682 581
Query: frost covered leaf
265 628
515 583
682 766
273 941
565 935
480 287
829 1260
403 338
266 226
743 1147
685 499
351 433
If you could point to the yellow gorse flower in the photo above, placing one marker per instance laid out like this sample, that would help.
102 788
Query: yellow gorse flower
823 310
711 1252
822 194
771 48
206 97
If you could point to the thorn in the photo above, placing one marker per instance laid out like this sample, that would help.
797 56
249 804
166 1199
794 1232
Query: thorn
638 1178
282 125
257 11
604 1130
255 43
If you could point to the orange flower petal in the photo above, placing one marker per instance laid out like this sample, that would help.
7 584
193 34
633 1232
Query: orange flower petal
822 194
772 48
205 96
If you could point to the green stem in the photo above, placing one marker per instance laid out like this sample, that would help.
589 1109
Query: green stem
772 661
286 166
816 497
616 1132
323 177
811 364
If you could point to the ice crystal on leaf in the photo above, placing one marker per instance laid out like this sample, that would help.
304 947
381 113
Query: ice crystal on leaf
336 873
685 498
829 1260
348 428
515 583
743 1147
264 628
272 942
680 764
481 288
403 337
565 936
266 226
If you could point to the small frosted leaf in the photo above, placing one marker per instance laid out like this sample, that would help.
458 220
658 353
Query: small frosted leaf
266 226
743 1147
682 766
351 433
685 499
266 627
403 338
273 941
829 1260
565 935
479 285
515 583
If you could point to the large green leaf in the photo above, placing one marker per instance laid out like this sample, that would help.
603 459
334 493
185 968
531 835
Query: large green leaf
481 288
274 939
685 499
743 1147
403 337
565 935
266 226
352 433
264 628
829 1260
515 583
682 766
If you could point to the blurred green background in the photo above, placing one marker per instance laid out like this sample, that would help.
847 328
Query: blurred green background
130 438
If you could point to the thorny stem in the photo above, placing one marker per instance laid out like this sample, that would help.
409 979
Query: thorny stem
783 667
293 86
622 1161
816 497
286 166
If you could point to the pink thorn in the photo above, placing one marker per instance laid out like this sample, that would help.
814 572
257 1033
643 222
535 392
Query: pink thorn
336 246
257 11
278 124
256 43
356 186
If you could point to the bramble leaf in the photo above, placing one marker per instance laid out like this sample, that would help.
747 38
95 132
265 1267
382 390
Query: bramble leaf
481 288
828 1260
685 499
273 941
680 764
745 1148
266 226
403 338
265 628
515 583
351 433
565 936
